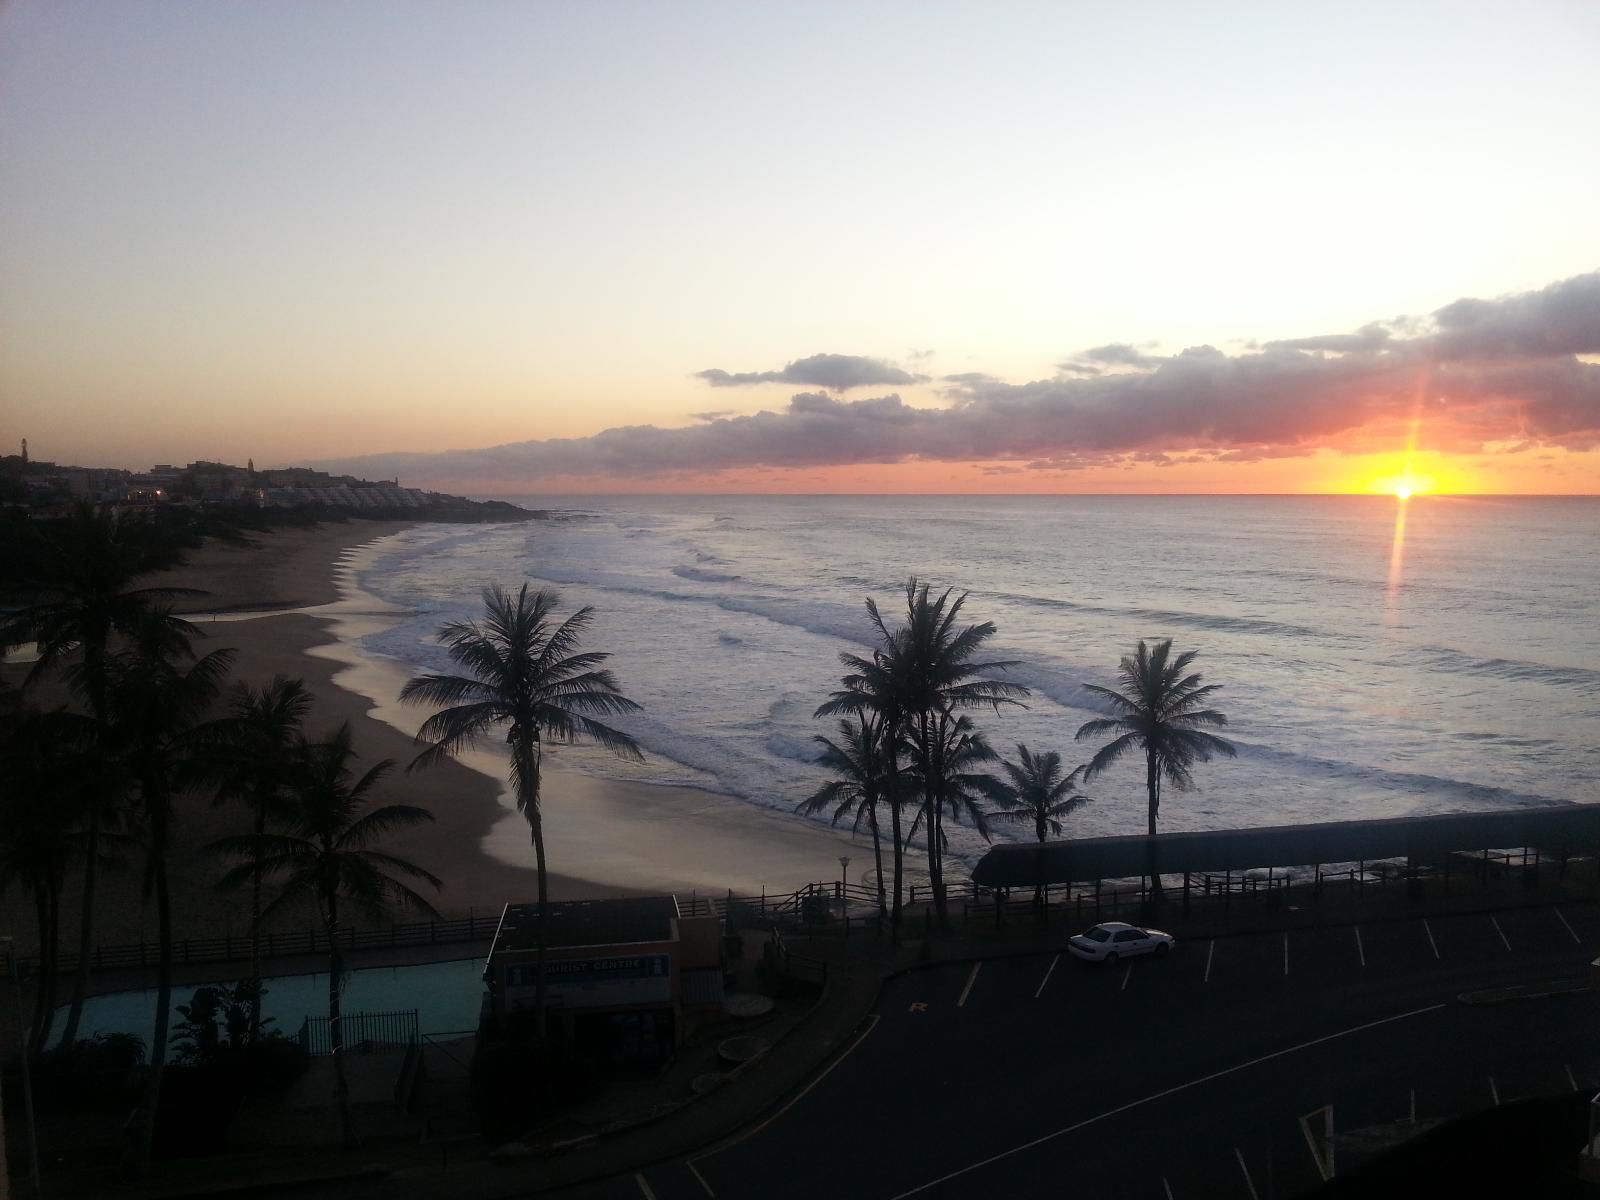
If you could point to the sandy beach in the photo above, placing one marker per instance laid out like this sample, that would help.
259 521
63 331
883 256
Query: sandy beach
605 837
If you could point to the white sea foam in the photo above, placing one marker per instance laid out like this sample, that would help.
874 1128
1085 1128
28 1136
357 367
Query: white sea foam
1472 683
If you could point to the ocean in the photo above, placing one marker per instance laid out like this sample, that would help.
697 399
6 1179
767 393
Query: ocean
1366 670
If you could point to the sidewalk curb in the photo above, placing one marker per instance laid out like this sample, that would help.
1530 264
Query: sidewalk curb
1527 991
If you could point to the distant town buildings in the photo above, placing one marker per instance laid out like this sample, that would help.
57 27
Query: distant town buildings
43 489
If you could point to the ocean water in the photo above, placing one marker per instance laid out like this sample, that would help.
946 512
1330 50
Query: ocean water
1366 671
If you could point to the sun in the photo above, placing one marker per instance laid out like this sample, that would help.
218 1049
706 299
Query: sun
1404 485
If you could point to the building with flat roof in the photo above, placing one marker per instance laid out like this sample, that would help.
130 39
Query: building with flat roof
626 978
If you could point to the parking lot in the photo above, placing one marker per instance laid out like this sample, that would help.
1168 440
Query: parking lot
1205 1073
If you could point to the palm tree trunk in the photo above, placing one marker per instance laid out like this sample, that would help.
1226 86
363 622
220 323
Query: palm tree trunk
52 964
158 1045
932 826
1040 827
255 925
80 987
41 906
536 826
877 860
899 847
1152 781
341 1085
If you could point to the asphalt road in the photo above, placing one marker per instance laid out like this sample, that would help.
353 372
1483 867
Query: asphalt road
1181 1077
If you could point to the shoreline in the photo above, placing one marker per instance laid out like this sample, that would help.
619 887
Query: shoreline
628 836
606 837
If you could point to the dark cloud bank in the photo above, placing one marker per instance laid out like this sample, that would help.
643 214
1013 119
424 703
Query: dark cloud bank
1476 371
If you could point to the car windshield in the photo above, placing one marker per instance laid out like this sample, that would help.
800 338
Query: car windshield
1097 934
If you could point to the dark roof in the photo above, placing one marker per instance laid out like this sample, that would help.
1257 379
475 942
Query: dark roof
1570 829
588 923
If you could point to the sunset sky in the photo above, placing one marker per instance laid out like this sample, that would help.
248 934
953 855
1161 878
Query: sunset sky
545 247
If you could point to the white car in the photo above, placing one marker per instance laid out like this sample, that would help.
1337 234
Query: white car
1111 940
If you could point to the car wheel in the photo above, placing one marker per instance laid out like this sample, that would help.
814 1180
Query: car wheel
1110 959
1163 950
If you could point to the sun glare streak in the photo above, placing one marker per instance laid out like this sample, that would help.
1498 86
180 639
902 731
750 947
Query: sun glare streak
1404 486
1397 549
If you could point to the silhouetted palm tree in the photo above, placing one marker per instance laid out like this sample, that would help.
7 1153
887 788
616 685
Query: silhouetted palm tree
939 674
1159 709
41 805
870 693
525 672
77 579
258 765
862 782
1035 789
325 858
957 785
160 736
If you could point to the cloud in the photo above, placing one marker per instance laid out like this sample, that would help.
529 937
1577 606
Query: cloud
1477 373
1367 338
836 372
713 414
1118 354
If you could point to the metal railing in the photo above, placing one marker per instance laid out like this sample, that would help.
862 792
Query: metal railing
363 1031
275 944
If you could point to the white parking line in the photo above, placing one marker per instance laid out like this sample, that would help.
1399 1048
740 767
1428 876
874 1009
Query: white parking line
1210 950
976 967
1166 1187
1162 1095
1126 975
1428 929
644 1187
1248 1182
1494 1092
746 1135
1571 1082
1285 969
1047 975
1361 950
1567 927
699 1178
1500 931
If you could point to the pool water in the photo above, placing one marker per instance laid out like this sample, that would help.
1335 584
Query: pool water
447 997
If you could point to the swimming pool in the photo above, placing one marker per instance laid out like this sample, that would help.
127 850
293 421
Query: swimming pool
447 997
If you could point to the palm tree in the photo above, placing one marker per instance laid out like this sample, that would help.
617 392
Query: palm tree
937 674
956 784
325 857
40 806
870 693
77 581
161 737
1158 709
857 760
1034 789
258 750
525 672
